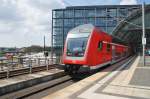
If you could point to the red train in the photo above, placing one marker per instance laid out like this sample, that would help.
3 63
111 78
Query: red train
89 47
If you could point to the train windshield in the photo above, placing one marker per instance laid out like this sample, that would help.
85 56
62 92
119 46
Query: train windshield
76 46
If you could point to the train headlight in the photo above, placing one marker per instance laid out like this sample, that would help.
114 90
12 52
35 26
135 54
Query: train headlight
69 54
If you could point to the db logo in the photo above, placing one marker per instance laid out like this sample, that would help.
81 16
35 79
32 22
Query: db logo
74 61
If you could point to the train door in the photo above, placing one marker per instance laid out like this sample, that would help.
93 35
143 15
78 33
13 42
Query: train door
113 53
100 53
103 57
108 52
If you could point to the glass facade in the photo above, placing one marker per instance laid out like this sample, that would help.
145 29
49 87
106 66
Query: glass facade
104 17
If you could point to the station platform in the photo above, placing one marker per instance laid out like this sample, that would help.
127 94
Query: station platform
130 81
13 87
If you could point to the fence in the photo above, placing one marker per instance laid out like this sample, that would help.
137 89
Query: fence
7 65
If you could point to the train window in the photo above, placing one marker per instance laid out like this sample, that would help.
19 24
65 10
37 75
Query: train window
100 45
108 47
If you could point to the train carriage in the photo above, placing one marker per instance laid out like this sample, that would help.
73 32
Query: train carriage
88 46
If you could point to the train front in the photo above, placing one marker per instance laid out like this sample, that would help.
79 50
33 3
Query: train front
76 47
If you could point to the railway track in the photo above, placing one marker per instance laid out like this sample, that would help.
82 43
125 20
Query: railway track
66 81
6 74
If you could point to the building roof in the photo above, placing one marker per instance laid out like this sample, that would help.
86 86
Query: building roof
97 6
130 29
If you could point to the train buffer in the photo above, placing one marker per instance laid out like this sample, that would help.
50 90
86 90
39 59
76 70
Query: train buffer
131 80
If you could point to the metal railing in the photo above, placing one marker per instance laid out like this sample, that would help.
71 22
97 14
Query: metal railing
22 63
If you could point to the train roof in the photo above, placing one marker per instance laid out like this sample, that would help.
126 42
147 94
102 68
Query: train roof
85 28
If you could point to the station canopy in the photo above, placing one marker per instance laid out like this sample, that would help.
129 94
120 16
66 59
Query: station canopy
129 30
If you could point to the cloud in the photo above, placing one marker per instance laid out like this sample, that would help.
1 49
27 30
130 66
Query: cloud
25 22
128 2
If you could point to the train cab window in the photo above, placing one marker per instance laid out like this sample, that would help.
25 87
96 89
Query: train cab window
76 46
100 45
108 47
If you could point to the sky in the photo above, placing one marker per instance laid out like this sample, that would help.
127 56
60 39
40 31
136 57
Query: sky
25 22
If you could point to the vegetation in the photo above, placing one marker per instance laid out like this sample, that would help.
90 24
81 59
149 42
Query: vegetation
35 48
1 54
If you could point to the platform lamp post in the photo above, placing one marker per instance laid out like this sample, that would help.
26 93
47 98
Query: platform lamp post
45 55
44 46
143 35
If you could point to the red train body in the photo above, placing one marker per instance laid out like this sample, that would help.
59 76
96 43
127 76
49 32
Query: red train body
88 46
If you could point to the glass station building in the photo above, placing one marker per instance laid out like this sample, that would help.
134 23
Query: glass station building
104 16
